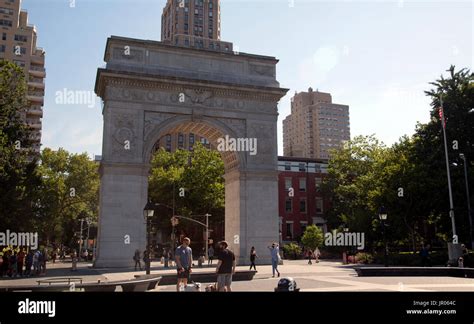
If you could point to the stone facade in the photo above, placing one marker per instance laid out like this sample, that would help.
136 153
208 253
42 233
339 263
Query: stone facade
151 89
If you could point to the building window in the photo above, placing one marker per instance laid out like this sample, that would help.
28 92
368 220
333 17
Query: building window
302 184
318 183
287 166
168 138
319 206
303 206
6 11
2 48
302 167
288 183
303 226
19 63
191 139
4 36
288 205
4 22
289 230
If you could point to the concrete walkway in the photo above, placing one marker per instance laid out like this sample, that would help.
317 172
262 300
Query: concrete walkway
326 276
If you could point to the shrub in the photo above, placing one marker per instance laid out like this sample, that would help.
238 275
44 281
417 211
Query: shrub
292 251
365 258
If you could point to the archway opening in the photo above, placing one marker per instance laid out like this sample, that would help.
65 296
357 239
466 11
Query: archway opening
188 187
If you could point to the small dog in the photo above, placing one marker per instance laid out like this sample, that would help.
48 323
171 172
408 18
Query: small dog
211 288
194 287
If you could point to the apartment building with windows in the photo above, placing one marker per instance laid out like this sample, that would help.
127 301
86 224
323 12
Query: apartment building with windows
315 126
181 141
193 23
18 44
300 199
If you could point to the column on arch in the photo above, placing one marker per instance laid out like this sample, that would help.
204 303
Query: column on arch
122 227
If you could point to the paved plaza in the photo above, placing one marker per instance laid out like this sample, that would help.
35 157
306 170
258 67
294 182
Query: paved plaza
326 276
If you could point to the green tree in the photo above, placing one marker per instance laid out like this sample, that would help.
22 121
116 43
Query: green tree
197 174
313 237
354 183
457 92
18 176
69 191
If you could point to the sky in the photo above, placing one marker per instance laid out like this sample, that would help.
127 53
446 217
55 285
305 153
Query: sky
377 56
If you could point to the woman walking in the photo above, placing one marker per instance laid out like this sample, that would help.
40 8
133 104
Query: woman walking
253 257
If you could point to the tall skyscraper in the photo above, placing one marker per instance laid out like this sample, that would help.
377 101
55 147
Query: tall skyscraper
18 45
193 23
315 125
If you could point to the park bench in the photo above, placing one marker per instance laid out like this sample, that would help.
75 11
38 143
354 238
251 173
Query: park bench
67 280
207 277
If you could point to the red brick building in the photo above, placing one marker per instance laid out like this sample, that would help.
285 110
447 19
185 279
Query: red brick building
304 204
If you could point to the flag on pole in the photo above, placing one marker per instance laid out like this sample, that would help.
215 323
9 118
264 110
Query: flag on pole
441 117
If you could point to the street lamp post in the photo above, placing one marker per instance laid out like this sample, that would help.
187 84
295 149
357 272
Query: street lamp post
207 236
451 202
148 213
345 259
469 212
86 242
383 218
80 239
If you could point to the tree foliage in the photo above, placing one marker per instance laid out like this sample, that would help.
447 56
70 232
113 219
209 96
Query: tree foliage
69 192
18 176
409 179
199 174
313 237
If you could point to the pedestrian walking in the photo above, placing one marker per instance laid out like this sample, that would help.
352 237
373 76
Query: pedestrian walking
20 262
166 257
425 256
36 264
74 261
28 263
253 257
184 261
202 257
45 259
317 254
210 254
13 271
136 258
5 261
225 267
309 255
275 253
